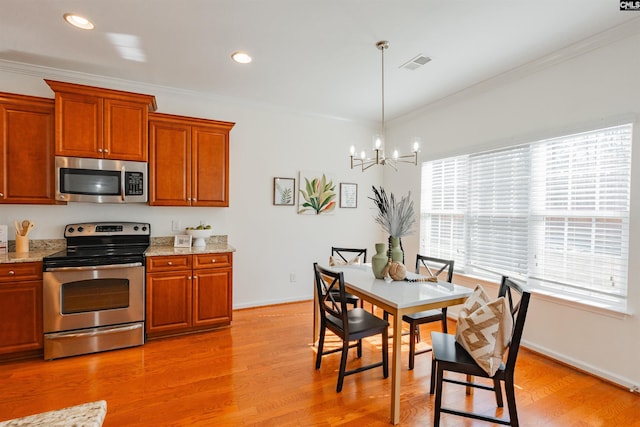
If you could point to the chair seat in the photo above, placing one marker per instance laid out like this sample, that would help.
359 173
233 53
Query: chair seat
447 350
360 322
426 316
350 298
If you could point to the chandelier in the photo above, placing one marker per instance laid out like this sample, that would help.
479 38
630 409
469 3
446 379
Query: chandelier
379 157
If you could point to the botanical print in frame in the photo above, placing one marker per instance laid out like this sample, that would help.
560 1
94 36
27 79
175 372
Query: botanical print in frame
348 195
317 193
284 190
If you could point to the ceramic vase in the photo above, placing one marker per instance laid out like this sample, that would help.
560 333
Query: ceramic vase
395 250
379 260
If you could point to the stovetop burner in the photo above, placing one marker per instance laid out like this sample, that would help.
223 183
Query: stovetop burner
102 243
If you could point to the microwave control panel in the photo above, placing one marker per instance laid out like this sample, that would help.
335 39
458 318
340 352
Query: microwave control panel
134 185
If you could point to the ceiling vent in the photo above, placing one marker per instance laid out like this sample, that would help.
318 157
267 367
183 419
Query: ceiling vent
415 63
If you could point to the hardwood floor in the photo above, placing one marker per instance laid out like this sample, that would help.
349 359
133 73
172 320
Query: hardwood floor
261 372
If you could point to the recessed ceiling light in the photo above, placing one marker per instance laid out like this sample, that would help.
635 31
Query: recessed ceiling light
241 57
78 21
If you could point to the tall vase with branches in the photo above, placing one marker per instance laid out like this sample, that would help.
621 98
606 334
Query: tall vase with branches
397 218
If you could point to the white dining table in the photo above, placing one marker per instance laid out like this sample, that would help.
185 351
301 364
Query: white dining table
399 298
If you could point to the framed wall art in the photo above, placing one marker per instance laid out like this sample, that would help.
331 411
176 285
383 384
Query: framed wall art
284 190
182 241
348 195
317 193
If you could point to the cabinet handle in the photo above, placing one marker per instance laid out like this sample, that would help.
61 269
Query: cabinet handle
169 263
1 194
195 277
213 260
12 273
99 150
106 150
190 277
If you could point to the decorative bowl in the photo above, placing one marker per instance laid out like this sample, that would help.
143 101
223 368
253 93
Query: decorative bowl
199 236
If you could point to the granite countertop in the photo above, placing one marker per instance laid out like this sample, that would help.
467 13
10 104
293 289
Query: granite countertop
86 415
38 249
170 250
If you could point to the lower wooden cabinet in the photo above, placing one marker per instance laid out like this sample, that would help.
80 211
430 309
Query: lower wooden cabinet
21 332
188 293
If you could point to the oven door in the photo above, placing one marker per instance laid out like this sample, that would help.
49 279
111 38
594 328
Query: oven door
94 296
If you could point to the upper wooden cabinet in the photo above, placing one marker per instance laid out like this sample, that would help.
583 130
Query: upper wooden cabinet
101 123
26 149
188 161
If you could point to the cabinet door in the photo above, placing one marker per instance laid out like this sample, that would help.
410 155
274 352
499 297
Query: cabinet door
210 166
212 297
168 303
26 150
21 317
169 163
125 130
79 125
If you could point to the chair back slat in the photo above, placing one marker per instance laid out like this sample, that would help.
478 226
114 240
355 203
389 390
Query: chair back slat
331 294
344 252
438 265
517 298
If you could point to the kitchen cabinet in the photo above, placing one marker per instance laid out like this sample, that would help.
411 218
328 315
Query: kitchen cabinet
188 293
101 123
188 161
26 149
21 332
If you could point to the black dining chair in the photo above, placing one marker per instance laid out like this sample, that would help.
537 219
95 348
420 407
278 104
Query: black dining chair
349 325
346 256
449 356
435 267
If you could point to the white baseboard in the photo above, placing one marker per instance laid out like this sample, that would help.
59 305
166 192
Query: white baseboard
578 364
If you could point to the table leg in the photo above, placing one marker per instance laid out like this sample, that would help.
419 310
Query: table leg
395 368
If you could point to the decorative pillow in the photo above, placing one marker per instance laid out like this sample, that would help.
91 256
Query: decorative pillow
338 261
484 329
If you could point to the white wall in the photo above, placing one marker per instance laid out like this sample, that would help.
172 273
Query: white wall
587 89
271 241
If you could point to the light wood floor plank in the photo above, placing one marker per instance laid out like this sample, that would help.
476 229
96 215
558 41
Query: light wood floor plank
260 372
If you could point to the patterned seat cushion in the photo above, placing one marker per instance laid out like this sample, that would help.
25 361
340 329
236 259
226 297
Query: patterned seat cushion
334 261
484 329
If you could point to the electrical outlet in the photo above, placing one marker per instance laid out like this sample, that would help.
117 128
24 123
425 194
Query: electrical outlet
292 277
176 225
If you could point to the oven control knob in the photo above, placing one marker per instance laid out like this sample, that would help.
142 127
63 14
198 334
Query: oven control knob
144 228
80 229
70 230
135 227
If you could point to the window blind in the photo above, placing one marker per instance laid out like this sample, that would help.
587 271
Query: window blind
555 211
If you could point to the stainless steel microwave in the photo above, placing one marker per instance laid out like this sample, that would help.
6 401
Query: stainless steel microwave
100 180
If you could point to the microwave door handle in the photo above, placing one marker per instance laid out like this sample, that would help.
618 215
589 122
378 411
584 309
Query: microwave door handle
122 178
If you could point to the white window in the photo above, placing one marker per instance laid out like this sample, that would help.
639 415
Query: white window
554 211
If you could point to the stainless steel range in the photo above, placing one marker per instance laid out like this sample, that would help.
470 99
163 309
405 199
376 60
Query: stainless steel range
93 295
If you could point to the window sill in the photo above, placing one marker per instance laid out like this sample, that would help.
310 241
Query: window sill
584 305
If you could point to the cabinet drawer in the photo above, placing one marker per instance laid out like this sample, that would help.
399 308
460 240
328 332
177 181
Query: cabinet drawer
215 260
168 263
19 271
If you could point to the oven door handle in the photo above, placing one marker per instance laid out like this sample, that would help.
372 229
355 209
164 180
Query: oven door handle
95 267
